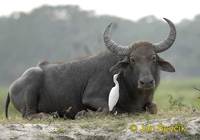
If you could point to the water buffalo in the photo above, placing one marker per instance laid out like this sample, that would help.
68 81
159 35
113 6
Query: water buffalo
85 84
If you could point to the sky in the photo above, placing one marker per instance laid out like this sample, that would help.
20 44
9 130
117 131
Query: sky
176 10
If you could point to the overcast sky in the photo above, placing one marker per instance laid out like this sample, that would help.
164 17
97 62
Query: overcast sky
175 10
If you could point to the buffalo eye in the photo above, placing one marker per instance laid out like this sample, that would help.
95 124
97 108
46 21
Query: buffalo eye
132 61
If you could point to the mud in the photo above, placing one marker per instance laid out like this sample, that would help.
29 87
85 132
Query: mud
171 128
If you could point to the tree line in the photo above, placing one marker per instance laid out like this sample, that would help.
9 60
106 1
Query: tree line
62 33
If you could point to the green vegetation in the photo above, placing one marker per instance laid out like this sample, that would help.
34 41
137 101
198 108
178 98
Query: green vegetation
12 111
172 98
178 93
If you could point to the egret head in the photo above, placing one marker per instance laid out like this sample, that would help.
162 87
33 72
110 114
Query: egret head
140 63
115 76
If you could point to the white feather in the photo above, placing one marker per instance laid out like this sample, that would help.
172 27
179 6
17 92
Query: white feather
114 94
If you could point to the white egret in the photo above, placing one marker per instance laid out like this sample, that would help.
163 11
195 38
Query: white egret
114 93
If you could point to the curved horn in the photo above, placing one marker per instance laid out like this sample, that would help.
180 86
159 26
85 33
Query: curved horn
111 45
166 44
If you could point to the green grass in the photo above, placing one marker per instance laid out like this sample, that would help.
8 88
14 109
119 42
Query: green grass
12 111
184 99
180 90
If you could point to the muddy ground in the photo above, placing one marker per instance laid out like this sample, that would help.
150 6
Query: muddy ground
110 128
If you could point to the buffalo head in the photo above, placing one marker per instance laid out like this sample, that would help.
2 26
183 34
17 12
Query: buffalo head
140 63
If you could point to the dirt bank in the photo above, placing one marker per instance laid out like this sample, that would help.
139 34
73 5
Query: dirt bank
171 128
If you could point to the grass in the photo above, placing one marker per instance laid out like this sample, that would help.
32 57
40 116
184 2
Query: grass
180 90
12 111
173 98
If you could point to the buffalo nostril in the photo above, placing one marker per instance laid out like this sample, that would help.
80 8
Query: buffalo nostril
146 83
151 82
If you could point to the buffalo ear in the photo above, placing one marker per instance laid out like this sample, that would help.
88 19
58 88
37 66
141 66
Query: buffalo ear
119 66
165 66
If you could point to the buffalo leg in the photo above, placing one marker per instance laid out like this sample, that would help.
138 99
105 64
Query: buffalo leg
31 100
38 116
96 93
95 102
25 91
151 108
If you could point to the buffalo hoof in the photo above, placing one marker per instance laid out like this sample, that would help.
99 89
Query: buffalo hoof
103 110
41 116
115 113
151 108
81 114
